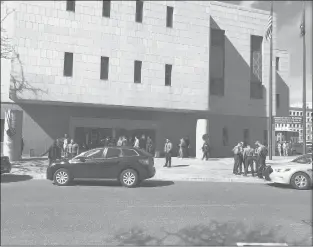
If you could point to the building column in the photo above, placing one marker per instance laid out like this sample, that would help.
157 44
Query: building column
202 128
13 127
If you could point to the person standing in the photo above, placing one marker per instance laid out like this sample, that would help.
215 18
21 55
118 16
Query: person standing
22 146
181 148
284 148
262 153
72 149
66 141
149 147
54 152
136 144
119 142
248 159
142 142
287 149
240 161
187 141
124 141
206 150
168 153
279 148
237 150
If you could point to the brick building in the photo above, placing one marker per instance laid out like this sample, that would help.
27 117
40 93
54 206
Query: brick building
161 68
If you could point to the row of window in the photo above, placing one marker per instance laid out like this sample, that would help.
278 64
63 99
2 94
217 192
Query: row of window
246 136
104 69
299 113
106 11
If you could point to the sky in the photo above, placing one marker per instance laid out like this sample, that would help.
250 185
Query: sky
289 15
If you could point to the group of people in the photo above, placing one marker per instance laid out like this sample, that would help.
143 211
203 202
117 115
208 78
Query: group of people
283 148
246 156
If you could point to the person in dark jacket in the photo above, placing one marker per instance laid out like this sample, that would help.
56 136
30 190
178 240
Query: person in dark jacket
261 157
142 142
149 146
54 152
187 141
206 150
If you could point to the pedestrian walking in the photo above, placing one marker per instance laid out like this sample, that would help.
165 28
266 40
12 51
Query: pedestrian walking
168 153
248 160
182 146
206 150
54 152
119 142
261 157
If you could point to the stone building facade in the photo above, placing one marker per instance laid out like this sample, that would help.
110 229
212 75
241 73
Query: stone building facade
168 69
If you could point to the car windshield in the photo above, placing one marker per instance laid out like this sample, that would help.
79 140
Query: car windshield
303 159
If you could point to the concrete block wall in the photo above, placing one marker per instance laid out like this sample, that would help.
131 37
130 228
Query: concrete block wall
239 24
45 30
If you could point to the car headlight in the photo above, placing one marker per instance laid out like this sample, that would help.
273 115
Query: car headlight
282 170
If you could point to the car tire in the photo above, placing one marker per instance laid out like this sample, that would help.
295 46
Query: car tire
62 177
300 181
129 178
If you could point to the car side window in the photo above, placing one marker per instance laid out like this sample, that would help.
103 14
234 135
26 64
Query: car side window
129 153
113 153
94 154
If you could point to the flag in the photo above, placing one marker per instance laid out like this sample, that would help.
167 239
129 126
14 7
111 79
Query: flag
269 30
302 25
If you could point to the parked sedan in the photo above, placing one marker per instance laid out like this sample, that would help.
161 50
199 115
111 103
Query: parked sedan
128 165
5 165
297 173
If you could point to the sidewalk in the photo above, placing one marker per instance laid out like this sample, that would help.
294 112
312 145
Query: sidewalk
215 169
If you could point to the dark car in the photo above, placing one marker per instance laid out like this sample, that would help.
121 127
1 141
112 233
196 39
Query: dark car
5 165
128 165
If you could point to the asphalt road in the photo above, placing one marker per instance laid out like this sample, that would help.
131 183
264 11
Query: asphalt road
35 212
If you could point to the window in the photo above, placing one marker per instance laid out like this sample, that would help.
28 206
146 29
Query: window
2 129
301 113
169 16
139 11
246 136
113 153
106 8
168 75
137 72
70 5
304 159
104 70
277 101
277 63
129 153
225 137
217 62
256 87
68 64
92 154
265 136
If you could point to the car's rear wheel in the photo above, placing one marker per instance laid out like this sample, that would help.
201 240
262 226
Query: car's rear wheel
129 178
300 181
62 177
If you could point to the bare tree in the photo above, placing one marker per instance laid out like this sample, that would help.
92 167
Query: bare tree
7 47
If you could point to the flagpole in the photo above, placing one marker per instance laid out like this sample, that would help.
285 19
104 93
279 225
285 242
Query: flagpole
304 81
271 92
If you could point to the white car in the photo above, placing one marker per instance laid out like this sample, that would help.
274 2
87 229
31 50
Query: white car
297 173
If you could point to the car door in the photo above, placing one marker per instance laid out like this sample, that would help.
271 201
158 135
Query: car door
89 165
110 165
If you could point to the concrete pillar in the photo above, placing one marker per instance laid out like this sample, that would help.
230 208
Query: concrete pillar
202 128
13 127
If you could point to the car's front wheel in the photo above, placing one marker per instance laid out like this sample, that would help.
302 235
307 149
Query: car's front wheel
129 178
61 177
300 181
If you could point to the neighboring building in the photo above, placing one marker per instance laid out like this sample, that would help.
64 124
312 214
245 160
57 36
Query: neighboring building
297 111
165 69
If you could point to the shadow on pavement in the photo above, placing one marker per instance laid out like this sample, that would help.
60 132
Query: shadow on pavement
33 158
281 186
214 234
180 165
113 183
10 178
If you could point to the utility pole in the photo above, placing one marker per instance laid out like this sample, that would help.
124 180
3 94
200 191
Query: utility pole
302 27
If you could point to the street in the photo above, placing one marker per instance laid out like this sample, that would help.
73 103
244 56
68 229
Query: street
35 212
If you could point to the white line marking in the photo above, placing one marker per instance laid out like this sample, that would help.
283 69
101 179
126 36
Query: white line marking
262 244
